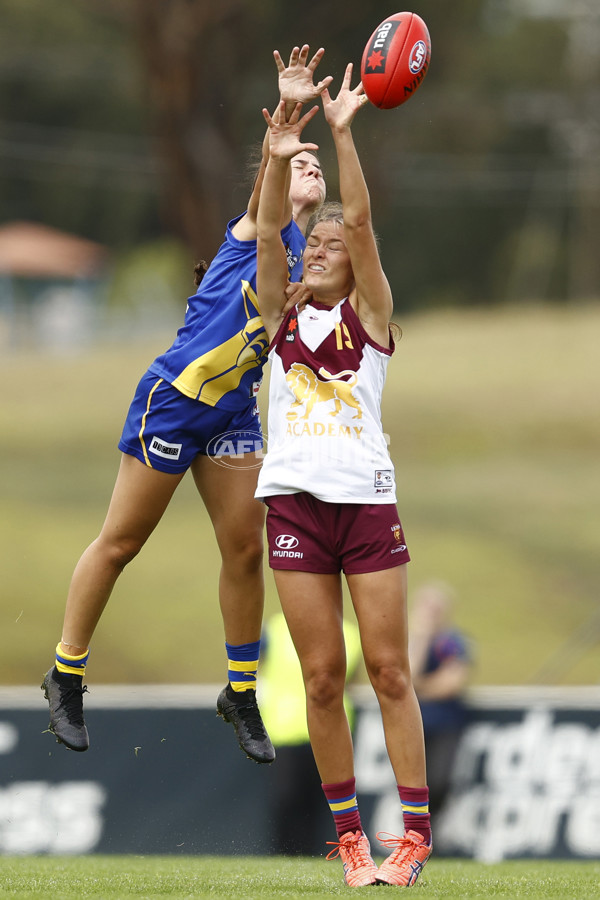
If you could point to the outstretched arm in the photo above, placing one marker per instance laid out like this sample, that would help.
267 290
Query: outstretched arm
272 271
372 297
295 82
296 85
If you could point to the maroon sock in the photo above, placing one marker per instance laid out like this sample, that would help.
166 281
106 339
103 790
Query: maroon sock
341 797
415 810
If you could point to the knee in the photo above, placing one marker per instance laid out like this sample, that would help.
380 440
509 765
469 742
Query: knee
390 681
118 553
325 688
243 554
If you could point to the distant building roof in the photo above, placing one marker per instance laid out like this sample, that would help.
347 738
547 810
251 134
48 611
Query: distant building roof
31 250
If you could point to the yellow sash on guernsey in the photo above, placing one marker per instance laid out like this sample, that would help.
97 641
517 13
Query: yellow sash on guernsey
214 374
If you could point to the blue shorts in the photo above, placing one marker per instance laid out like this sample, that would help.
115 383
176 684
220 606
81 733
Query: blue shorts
166 430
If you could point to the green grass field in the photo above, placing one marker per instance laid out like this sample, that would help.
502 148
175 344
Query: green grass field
261 878
495 434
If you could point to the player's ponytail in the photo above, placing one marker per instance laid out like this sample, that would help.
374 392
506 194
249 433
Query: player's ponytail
200 270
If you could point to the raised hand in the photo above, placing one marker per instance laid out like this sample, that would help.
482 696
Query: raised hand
340 112
296 79
284 133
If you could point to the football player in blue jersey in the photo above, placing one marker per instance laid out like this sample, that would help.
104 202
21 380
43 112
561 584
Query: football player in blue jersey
195 408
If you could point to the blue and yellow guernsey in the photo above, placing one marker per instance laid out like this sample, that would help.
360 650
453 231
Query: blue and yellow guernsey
219 352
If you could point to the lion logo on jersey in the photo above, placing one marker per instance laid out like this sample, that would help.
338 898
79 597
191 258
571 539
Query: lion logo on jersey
308 389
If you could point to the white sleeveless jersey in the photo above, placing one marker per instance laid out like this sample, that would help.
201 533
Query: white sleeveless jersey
325 435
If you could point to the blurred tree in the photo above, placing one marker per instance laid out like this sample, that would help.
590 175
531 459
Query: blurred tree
73 129
125 119
195 56
209 72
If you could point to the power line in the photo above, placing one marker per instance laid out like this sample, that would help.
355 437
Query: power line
54 153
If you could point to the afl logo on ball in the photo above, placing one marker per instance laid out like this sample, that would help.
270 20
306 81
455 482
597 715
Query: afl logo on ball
417 57
286 541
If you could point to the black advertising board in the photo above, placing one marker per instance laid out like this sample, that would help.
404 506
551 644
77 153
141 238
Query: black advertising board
164 775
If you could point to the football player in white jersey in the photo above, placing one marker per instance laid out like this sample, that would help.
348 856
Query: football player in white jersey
317 527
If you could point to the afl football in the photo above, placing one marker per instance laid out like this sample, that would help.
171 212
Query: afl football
395 60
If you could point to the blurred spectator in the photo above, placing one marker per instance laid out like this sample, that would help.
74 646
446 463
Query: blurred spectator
441 664
294 779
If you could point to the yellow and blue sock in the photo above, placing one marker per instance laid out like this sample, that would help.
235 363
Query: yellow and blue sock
415 810
242 664
71 665
343 804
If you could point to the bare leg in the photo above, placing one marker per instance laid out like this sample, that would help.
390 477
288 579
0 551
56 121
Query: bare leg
238 521
312 605
379 600
140 497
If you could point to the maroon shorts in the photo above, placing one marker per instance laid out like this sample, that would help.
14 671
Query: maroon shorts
309 535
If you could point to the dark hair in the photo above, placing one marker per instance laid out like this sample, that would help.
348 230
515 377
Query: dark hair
252 167
200 270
